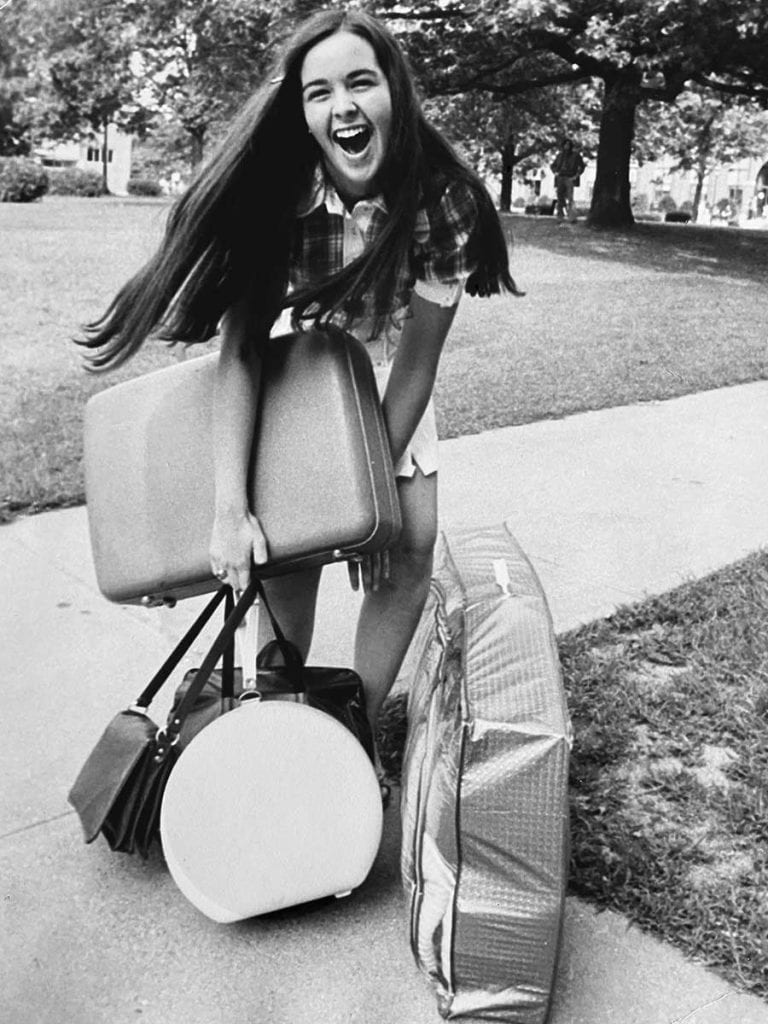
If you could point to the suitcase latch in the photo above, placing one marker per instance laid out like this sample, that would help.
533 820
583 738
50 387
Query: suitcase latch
158 601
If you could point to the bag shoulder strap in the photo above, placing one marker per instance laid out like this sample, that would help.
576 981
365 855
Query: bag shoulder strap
223 640
150 691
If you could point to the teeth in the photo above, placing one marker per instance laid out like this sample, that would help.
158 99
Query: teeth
349 133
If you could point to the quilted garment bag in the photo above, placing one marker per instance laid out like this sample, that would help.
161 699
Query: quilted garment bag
485 776
321 482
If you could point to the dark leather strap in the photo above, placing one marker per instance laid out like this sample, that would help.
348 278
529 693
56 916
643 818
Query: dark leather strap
149 692
223 640
228 658
223 647
291 660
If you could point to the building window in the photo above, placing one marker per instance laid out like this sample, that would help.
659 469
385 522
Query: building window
96 155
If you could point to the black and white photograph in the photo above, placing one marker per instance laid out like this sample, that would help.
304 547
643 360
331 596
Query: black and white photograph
384 511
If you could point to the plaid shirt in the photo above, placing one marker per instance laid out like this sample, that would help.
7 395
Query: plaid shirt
325 238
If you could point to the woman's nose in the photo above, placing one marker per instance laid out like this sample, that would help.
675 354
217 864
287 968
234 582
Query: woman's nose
343 103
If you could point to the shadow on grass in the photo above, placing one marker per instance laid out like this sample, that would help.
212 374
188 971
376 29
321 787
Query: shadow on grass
667 248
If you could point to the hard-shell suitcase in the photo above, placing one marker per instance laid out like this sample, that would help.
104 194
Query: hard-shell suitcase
271 805
322 481
485 776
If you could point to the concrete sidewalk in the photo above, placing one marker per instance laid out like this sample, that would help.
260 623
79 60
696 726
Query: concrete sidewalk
609 506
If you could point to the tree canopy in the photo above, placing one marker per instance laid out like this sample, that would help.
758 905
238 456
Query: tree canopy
201 58
508 135
21 41
637 50
508 76
72 65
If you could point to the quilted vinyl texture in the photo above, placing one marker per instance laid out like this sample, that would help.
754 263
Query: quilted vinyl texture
485 775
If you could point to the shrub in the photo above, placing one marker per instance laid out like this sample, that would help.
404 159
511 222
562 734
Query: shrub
518 201
144 187
21 180
666 204
640 202
677 217
73 181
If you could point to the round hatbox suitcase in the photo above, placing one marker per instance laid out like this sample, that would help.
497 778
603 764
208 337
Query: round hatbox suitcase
273 804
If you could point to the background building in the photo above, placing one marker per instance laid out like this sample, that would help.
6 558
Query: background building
86 154
655 184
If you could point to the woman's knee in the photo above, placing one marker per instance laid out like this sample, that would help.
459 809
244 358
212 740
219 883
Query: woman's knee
418 504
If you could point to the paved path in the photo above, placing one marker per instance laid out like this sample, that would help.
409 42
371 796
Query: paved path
608 505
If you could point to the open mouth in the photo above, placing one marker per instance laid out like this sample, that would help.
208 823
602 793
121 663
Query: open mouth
353 140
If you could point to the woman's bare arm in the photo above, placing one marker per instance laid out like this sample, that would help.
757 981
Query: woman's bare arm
414 369
236 534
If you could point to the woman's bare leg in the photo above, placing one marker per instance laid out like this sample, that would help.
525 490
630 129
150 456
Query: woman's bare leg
293 599
389 615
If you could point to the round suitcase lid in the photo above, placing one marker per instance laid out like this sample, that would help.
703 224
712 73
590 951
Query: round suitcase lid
271 805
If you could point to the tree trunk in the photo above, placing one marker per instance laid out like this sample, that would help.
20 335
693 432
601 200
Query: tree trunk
198 140
105 156
610 200
704 155
507 166
697 194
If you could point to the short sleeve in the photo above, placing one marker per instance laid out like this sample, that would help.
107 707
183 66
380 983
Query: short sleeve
441 255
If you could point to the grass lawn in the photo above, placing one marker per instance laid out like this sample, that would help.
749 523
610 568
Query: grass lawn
607 320
669 773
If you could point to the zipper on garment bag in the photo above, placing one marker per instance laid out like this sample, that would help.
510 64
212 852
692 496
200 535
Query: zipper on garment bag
417 897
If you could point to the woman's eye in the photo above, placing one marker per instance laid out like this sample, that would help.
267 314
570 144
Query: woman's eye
317 94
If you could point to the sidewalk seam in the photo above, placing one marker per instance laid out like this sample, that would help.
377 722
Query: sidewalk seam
35 824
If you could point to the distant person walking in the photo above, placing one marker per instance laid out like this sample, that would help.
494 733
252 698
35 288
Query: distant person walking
568 166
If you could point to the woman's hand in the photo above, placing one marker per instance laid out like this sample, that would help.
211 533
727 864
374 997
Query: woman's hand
370 570
236 538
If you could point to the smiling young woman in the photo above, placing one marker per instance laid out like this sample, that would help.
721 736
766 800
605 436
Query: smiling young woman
348 109
334 199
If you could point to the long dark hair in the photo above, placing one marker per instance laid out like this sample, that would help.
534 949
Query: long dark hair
230 235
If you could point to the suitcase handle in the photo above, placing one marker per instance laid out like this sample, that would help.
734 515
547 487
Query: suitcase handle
253 660
248 643
150 691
